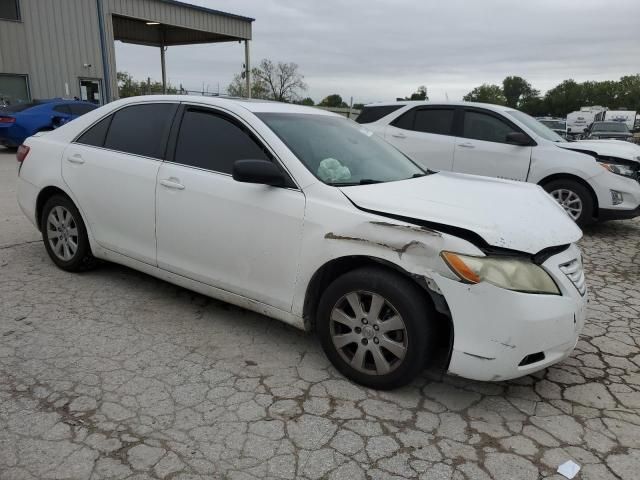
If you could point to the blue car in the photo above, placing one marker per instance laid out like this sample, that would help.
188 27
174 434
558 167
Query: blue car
17 122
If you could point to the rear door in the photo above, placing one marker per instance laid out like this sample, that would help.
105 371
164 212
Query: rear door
426 135
111 169
482 148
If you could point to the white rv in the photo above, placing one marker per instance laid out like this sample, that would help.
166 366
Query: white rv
578 122
626 116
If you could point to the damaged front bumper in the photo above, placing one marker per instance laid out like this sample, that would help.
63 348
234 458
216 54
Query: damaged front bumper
501 334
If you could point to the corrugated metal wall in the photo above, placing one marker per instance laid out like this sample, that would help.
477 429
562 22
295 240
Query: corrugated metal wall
56 37
51 44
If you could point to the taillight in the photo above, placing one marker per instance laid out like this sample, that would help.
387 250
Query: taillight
7 120
22 153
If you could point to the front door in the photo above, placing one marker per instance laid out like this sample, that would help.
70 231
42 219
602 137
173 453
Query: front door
91 91
483 149
240 237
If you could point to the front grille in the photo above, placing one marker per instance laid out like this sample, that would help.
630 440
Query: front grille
574 271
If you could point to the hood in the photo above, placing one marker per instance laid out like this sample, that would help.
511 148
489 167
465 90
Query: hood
506 214
606 148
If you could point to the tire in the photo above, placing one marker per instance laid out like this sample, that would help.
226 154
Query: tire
70 230
574 194
363 339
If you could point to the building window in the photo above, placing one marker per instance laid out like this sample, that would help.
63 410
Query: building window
9 10
13 89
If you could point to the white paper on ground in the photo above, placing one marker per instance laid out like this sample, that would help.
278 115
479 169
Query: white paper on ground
569 469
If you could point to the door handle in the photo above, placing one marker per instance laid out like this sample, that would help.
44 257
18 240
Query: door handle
466 145
398 135
77 158
172 183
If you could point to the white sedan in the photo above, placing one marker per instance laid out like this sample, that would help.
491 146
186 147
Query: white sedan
308 218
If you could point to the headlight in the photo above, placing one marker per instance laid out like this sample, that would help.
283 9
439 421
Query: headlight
510 273
619 169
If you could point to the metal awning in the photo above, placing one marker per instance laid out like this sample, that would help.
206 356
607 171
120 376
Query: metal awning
157 34
165 23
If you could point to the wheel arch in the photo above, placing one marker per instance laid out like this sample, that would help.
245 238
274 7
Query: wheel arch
336 267
575 178
48 192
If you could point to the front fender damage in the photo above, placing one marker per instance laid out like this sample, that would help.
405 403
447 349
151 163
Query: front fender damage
414 248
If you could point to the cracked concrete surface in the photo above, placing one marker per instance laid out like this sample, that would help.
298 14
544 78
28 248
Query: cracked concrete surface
113 374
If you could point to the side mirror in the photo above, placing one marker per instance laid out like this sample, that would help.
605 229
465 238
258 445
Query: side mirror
518 138
258 171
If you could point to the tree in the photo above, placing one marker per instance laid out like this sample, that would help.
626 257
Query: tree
566 97
334 101
629 92
419 94
283 80
129 87
306 101
516 90
238 86
486 93
273 81
358 106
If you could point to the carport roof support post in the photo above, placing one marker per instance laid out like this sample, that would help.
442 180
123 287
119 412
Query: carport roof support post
247 67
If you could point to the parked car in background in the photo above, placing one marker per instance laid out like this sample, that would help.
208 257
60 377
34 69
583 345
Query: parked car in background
558 125
608 130
497 141
22 120
307 217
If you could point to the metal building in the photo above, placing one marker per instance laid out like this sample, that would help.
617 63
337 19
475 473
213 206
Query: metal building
65 48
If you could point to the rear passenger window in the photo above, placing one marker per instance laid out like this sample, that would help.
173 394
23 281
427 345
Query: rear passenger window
141 129
95 135
405 121
81 108
439 121
62 109
213 142
481 126
373 114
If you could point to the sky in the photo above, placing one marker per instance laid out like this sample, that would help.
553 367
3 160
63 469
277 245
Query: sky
377 50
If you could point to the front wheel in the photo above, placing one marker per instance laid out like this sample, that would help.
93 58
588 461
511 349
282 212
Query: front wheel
375 326
65 236
574 198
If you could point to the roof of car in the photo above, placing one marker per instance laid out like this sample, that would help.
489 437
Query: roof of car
253 105
490 106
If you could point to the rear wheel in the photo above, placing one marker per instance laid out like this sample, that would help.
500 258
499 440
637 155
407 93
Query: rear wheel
65 236
574 197
375 327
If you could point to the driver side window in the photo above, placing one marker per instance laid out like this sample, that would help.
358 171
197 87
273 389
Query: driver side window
482 126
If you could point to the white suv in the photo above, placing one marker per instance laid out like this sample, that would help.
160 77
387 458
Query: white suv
592 180
305 216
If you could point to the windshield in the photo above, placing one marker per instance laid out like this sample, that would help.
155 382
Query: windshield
533 124
553 124
610 127
338 151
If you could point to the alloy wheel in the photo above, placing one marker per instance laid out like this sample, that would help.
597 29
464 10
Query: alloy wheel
569 200
368 333
62 233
